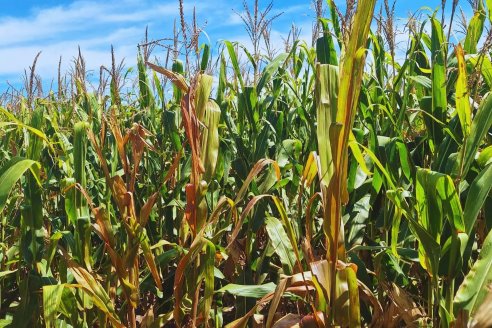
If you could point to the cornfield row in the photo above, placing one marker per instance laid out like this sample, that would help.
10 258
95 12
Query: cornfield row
342 187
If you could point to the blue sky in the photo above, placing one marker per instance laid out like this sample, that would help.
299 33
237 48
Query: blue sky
57 28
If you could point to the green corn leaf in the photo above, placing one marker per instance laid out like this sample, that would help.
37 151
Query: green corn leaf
421 80
79 163
485 157
270 70
11 172
326 93
335 22
438 77
483 64
83 230
475 30
289 229
68 186
34 130
452 254
477 194
357 153
148 255
325 47
32 242
473 290
159 88
6 273
280 243
380 166
429 249
462 97
248 290
235 64
354 309
205 58
488 4
209 278
96 292
438 200
480 125
248 54
68 303
52 295
291 148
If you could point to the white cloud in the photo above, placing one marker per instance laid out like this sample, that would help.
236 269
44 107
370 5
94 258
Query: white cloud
96 52
59 31
80 16
96 25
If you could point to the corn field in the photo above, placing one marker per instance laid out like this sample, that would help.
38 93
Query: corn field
326 185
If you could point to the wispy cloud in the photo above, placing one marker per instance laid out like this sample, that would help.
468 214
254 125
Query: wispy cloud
74 19
96 51
95 26
60 30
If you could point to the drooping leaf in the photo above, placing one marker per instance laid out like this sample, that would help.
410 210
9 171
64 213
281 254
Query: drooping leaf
94 289
10 173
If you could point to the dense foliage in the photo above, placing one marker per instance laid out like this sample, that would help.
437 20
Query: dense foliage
327 185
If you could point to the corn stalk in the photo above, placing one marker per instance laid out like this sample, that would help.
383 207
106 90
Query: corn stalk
337 96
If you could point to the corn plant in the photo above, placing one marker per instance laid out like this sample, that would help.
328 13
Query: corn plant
339 185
